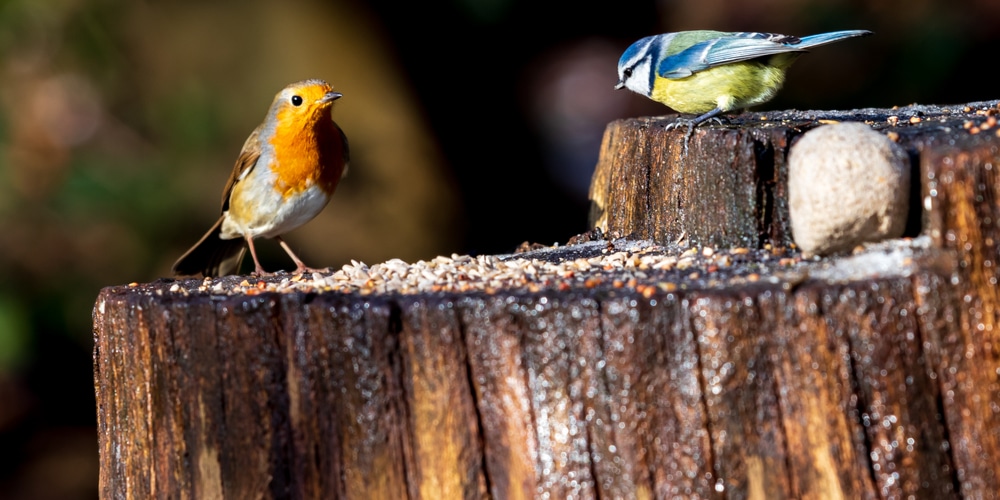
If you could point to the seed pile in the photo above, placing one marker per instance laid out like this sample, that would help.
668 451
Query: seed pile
642 270
641 266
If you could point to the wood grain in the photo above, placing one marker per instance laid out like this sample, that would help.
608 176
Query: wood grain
878 383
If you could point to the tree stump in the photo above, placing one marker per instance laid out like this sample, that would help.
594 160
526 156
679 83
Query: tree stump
701 356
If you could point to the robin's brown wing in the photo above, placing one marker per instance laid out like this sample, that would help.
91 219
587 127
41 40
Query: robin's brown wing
247 159
213 256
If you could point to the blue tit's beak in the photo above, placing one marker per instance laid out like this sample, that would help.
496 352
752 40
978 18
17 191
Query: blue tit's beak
620 85
329 97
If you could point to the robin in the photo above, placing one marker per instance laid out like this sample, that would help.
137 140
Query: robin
284 176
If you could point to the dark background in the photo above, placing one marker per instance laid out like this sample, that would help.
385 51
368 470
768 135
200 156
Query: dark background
474 125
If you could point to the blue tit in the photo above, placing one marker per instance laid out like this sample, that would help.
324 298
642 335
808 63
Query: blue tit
712 72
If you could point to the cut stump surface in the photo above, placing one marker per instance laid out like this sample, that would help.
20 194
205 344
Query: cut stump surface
720 364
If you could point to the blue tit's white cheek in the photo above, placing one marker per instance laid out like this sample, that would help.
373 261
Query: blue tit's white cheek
639 82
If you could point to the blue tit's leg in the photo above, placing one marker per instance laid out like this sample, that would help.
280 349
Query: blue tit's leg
694 122
711 116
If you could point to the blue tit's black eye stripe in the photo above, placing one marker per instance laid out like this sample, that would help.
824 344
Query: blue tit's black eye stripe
296 100
655 49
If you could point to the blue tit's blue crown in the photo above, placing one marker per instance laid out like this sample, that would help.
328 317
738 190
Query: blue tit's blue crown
636 65
635 51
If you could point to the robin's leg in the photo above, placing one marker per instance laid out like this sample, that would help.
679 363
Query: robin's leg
258 269
299 265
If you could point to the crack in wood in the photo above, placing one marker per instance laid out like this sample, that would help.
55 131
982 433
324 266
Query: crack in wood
473 394
157 348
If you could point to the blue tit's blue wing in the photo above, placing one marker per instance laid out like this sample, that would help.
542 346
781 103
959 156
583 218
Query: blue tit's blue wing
730 48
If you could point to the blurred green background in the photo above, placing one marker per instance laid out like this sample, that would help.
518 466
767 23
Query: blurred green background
474 126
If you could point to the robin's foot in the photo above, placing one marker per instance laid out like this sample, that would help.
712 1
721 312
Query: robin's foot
300 268
310 270
260 273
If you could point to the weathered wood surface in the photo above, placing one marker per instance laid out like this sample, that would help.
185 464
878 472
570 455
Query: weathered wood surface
872 376
730 189
845 390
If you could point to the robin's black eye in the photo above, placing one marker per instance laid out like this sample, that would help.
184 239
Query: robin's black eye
296 100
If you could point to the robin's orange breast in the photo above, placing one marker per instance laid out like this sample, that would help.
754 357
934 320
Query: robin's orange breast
307 156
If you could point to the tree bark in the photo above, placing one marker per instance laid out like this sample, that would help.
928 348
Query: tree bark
865 376
730 189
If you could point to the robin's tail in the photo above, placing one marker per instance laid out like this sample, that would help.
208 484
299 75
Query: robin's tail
212 256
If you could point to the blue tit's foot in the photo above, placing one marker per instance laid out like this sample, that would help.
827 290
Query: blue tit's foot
691 123
683 122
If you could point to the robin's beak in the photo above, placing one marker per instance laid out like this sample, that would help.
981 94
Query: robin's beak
329 97
620 85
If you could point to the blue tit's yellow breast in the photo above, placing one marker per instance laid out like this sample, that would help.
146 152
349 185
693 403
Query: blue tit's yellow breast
729 87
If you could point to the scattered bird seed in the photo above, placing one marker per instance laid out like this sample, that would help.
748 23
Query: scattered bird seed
638 265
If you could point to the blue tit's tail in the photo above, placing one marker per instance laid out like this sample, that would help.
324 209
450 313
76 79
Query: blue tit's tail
825 38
